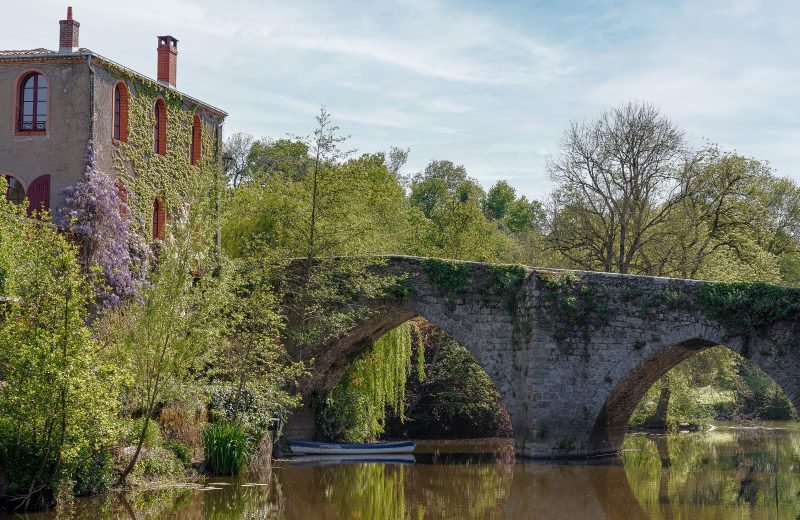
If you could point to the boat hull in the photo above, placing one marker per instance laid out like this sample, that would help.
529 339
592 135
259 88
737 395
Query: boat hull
331 448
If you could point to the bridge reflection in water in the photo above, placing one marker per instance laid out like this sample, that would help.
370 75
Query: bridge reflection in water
727 473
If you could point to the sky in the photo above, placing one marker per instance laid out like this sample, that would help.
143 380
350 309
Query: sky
488 84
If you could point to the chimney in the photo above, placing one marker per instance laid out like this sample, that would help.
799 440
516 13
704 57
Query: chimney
167 60
68 35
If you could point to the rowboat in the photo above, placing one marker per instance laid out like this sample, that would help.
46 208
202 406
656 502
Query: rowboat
333 448
336 460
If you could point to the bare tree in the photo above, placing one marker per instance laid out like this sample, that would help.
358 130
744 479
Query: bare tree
236 151
617 178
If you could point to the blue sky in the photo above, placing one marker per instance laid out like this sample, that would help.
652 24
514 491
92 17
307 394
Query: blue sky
488 84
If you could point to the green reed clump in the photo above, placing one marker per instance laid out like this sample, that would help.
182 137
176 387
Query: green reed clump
225 448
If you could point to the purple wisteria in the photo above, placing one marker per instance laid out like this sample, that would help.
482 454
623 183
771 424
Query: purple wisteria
100 221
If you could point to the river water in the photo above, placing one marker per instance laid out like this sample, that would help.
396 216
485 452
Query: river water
731 472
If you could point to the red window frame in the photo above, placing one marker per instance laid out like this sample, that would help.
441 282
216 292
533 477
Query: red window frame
160 127
197 140
119 132
117 113
35 109
159 219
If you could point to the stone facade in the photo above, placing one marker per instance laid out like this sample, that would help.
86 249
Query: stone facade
571 353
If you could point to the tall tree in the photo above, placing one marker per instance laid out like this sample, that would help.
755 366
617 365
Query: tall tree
617 179
236 150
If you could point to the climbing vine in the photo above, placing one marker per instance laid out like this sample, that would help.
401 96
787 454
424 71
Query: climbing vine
355 410
742 308
170 177
573 304
450 276
507 282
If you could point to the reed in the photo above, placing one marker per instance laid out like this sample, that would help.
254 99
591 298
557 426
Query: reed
225 448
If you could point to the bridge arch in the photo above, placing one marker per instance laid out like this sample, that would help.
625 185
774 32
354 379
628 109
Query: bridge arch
570 352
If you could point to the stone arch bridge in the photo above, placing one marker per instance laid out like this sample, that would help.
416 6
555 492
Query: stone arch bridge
573 352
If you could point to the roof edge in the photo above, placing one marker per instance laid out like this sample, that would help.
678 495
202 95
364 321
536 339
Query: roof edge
102 59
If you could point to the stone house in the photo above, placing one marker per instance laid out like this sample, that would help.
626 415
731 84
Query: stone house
158 143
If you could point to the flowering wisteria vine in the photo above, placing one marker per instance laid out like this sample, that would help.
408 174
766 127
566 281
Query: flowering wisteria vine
100 221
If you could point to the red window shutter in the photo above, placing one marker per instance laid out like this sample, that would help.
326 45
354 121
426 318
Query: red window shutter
39 194
162 217
197 140
123 199
159 219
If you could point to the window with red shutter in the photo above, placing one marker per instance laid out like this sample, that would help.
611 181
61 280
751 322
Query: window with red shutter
120 129
159 219
160 127
197 140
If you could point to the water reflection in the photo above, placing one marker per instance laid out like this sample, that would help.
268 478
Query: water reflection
726 473
731 472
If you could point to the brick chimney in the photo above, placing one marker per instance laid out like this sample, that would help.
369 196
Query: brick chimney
68 35
167 60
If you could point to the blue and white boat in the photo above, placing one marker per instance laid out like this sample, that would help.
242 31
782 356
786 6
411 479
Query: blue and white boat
334 448
336 460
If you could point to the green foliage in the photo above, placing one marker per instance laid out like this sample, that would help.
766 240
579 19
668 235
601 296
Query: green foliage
355 410
58 394
507 281
744 307
250 372
182 452
456 398
225 447
162 340
152 433
158 465
575 305
450 276
93 475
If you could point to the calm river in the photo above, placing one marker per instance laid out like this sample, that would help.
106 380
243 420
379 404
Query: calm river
730 472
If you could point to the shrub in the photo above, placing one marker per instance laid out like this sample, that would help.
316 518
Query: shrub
158 464
152 438
183 452
225 448
181 424
93 475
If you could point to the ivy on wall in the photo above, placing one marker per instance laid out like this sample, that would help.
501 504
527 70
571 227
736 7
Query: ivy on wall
170 177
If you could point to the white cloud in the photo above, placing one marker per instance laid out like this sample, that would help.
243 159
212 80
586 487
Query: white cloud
489 85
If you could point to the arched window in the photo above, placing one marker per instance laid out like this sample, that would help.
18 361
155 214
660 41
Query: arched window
160 127
15 191
159 219
197 140
32 116
120 131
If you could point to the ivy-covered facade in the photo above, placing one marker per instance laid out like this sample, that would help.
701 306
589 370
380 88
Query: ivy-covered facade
48 133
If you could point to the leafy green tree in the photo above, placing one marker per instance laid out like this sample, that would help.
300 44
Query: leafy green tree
251 375
499 198
161 340
57 392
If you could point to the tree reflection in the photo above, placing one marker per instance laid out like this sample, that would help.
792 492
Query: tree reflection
747 471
